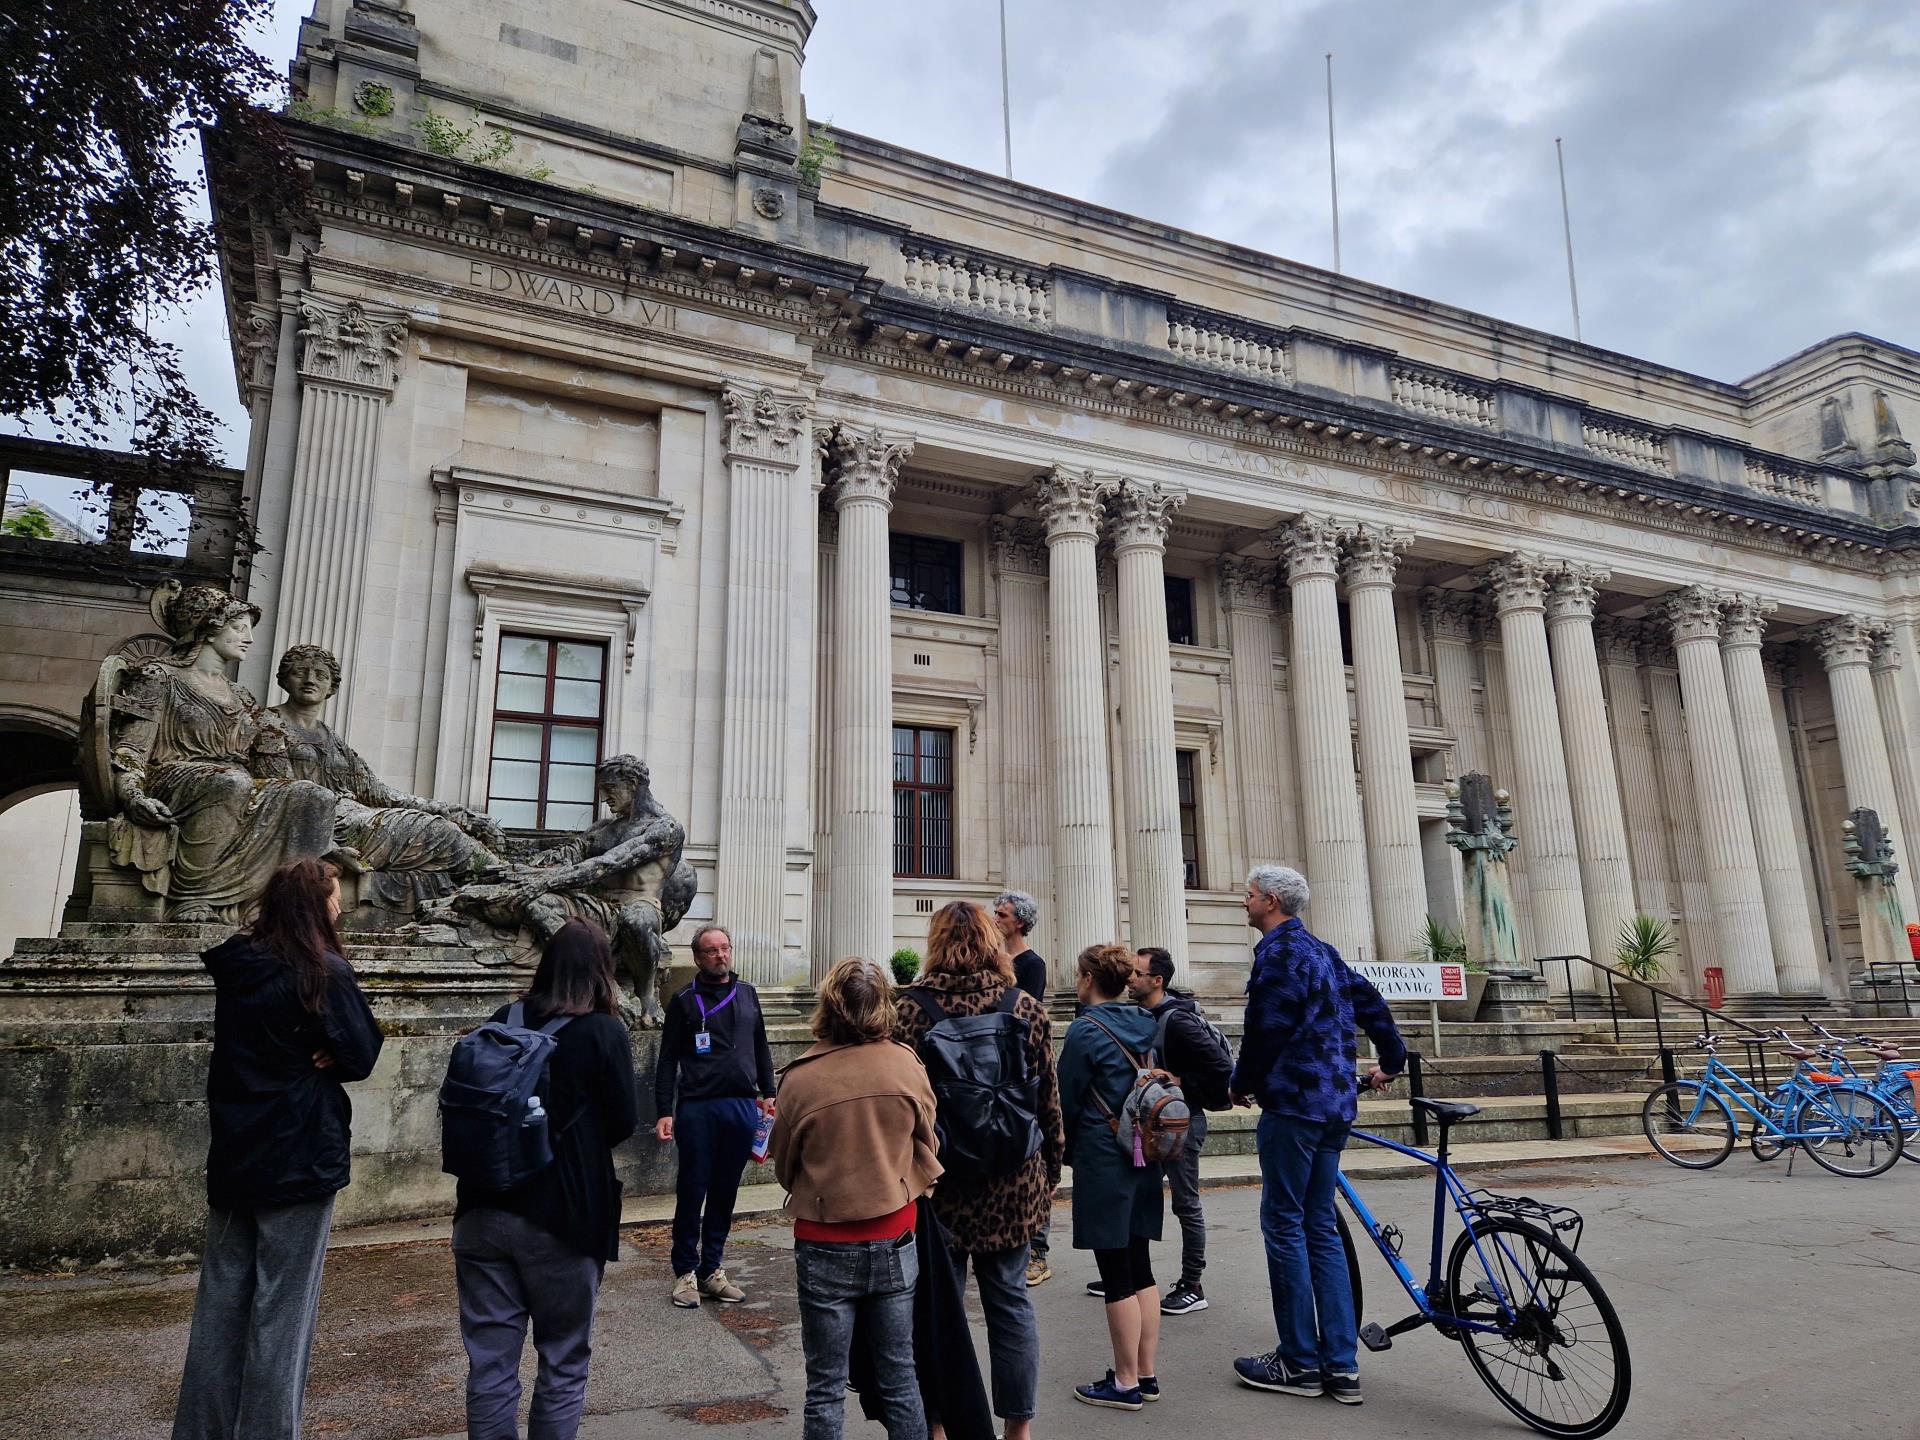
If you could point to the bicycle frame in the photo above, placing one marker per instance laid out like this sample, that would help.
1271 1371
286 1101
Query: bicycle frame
1446 1188
1728 1084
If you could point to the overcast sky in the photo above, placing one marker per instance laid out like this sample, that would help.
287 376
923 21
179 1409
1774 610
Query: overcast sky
1743 172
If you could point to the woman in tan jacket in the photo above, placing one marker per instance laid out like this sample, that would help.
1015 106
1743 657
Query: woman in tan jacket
854 1147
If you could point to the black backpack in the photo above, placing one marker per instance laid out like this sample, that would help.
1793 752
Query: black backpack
988 1106
493 1128
1207 1086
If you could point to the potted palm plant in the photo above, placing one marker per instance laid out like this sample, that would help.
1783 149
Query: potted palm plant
1640 951
1441 945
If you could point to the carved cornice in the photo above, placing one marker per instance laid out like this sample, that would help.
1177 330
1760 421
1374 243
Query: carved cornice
350 344
1018 547
1373 554
865 465
1519 582
1140 514
1310 546
1743 623
762 425
1846 640
1574 589
1247 583
1692 613
1452 616
1071 503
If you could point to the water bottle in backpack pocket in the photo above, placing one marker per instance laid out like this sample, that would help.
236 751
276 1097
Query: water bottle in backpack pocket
493 1129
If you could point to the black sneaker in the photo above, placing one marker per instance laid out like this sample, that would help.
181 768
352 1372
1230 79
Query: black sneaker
1097 1289
1149 1387
1344 1388
1270 1372
1182 1299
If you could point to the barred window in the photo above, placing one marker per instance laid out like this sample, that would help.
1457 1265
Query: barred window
922 802
547 713
926 573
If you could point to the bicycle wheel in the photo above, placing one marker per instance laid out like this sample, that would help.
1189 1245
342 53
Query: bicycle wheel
1353 1258
1764 1144
1559 1362
1850 1132
1693 1142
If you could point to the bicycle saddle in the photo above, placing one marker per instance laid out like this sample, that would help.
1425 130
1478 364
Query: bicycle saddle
1446 1111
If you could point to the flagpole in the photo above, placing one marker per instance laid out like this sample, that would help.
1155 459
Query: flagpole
1333 169
1006 110
1566 226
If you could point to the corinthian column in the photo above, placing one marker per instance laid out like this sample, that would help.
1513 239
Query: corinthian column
766 444
1156 878
1726 827
1265 774
1846 648
1796 967
349 363
1450 617
1019 559
1893 723
866 463
1543 803
1394 864
1336 842
1606 875
1069 502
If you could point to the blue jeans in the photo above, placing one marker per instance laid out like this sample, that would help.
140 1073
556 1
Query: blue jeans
715 1141
872 1280
1306 1266
1013 1331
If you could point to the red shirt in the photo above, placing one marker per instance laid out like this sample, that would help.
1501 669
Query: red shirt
847 1232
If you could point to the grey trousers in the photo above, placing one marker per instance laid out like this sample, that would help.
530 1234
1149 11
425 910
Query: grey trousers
253 1318
1183 1180
509 1272
870 1282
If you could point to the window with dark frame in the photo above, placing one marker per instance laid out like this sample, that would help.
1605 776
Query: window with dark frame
548 710
922 802
1180 611
926 573
1183 764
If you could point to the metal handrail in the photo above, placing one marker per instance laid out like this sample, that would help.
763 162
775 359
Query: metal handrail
1900 968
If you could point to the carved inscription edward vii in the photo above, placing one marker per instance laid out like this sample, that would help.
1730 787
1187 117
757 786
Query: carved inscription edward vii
567 294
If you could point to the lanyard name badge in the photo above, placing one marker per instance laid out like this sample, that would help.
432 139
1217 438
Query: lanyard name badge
702 1041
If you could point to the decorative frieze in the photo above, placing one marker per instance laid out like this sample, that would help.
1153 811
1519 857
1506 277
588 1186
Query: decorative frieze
763 425
351 344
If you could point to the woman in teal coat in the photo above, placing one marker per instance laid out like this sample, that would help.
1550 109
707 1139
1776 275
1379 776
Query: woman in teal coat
1116 1204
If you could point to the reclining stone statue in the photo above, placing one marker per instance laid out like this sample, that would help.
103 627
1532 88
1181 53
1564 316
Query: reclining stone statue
404 849
625 873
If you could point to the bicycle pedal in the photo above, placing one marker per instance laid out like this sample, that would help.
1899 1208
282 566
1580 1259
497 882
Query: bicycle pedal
1374 1338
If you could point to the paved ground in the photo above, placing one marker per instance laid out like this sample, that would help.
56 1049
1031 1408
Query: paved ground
1757 1304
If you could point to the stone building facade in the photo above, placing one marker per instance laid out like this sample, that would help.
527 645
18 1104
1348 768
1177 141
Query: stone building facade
931 534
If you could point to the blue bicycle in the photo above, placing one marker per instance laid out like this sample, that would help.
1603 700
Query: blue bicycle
1535 1324
1839 1124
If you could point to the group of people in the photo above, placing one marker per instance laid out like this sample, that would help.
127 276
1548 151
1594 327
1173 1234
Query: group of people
924 1134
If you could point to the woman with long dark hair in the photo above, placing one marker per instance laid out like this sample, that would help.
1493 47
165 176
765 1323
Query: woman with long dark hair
290 1029
536 1253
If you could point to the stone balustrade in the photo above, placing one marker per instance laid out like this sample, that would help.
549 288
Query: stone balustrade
1444 398
1784 484
1627 445
1212 340
947 276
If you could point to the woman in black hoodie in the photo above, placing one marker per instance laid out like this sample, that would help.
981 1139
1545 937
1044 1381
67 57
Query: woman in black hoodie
290 1028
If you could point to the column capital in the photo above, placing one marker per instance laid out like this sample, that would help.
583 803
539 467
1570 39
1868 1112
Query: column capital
1886 654
1451 615
1780 668
1743 623
1141 514
762 424
1310 545
1574 588
1845 640
1519 582
1019 547
1246 582
1619 642
866 465
343 342
1070 503
1373 554
1692 613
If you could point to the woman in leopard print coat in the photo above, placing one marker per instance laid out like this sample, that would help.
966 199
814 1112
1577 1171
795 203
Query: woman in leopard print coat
993 1220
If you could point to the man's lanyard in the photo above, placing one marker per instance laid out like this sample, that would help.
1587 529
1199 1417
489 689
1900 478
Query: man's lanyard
701 1005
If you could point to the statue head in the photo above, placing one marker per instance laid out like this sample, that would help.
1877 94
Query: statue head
202 615
309 673
623 780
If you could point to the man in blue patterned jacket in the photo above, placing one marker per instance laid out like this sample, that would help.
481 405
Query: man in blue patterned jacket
1298 1062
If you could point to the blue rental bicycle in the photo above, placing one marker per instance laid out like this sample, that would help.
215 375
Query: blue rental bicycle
1535 1324
1839 1124
1892 1079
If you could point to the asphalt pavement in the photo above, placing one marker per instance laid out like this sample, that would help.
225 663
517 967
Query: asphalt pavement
1756 1304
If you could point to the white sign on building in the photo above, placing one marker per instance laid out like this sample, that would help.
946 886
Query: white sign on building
1415 982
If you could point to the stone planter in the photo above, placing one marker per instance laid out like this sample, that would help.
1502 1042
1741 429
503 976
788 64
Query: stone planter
1635 1000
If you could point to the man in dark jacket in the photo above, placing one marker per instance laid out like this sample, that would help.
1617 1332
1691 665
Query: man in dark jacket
1298 1061
1191 1054
713 1083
